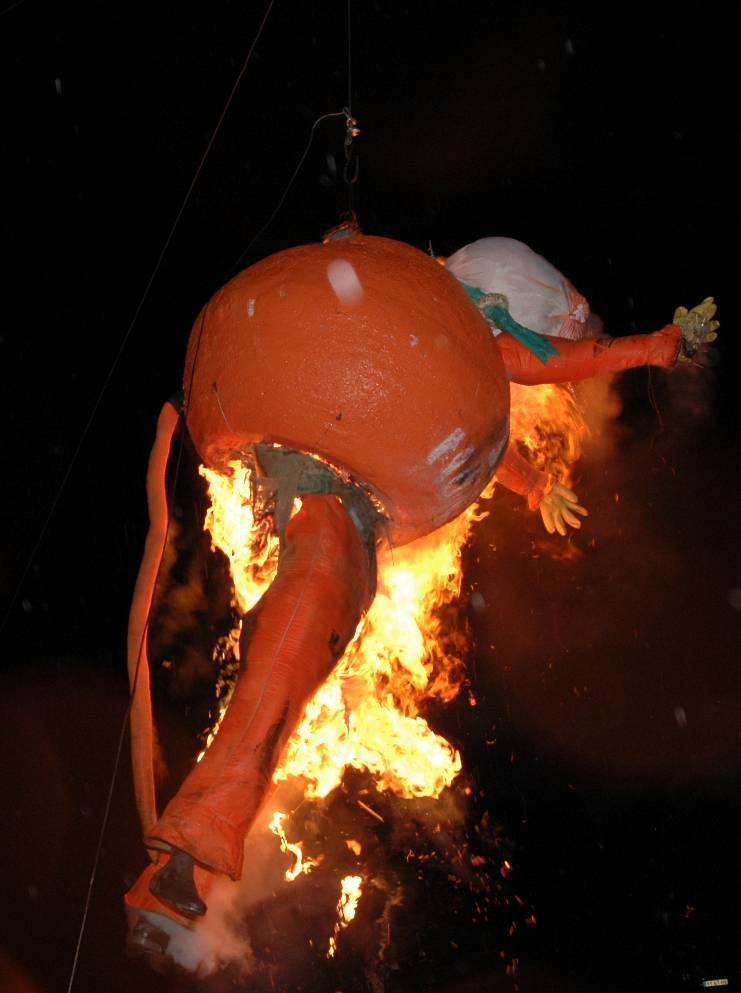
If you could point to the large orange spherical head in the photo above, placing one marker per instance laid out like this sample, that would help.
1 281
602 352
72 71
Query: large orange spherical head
365 352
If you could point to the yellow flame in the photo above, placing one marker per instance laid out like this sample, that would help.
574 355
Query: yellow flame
369 712
300 864
351 889
547 422
252 550
249 543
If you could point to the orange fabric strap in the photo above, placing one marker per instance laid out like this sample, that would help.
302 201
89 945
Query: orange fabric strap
143 742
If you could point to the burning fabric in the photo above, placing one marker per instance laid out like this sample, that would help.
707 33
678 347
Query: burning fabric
346 438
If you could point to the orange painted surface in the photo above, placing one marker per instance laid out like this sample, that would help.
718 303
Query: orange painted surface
363 351
578 360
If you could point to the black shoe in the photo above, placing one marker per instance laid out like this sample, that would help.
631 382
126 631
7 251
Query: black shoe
174 884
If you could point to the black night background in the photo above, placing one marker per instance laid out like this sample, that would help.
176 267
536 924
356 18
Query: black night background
605 747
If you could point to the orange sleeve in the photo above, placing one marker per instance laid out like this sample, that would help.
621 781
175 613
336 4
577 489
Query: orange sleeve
518 475
590 357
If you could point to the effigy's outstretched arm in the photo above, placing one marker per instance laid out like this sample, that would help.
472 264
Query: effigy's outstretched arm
517 474
558 505
589 357
290 642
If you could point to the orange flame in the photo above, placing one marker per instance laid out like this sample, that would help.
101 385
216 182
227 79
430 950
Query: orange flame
548 424
368 714
247 541
300 864
252 550
351 888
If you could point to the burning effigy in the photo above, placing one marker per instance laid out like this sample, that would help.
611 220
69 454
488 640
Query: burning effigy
351 402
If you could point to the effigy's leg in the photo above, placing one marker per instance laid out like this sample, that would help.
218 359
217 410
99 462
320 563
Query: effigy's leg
290 642
590 357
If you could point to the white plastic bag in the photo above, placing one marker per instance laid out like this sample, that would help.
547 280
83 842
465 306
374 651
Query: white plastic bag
539 296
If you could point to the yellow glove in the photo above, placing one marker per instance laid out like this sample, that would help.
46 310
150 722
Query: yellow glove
698 327
559 508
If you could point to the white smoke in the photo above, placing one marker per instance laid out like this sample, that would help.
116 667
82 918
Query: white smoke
219 940
600 404
214 943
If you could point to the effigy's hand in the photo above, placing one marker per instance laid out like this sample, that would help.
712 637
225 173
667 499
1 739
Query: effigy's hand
698 327
559 508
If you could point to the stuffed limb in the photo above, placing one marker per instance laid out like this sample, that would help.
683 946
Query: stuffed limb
589 357
558 505
290 642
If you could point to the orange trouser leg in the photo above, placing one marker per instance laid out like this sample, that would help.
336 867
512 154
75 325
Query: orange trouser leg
290 643
590 357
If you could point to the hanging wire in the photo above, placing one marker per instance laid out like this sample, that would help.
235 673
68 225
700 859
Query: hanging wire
124 341
127 713
109 796
12 6
349 56
302 158
352 163
350 171
352 131
124 725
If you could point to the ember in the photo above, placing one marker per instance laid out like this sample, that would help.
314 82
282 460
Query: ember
350 892
300 865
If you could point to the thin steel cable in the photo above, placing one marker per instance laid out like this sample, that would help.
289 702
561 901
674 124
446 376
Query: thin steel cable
337 113
349 121
122 734
10 7
350 183
130 328
106 814
124 723
349 56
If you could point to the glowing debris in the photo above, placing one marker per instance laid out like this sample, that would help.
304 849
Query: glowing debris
300 865
351 888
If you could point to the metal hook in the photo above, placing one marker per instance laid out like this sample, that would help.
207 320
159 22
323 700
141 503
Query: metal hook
352 131
351 127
